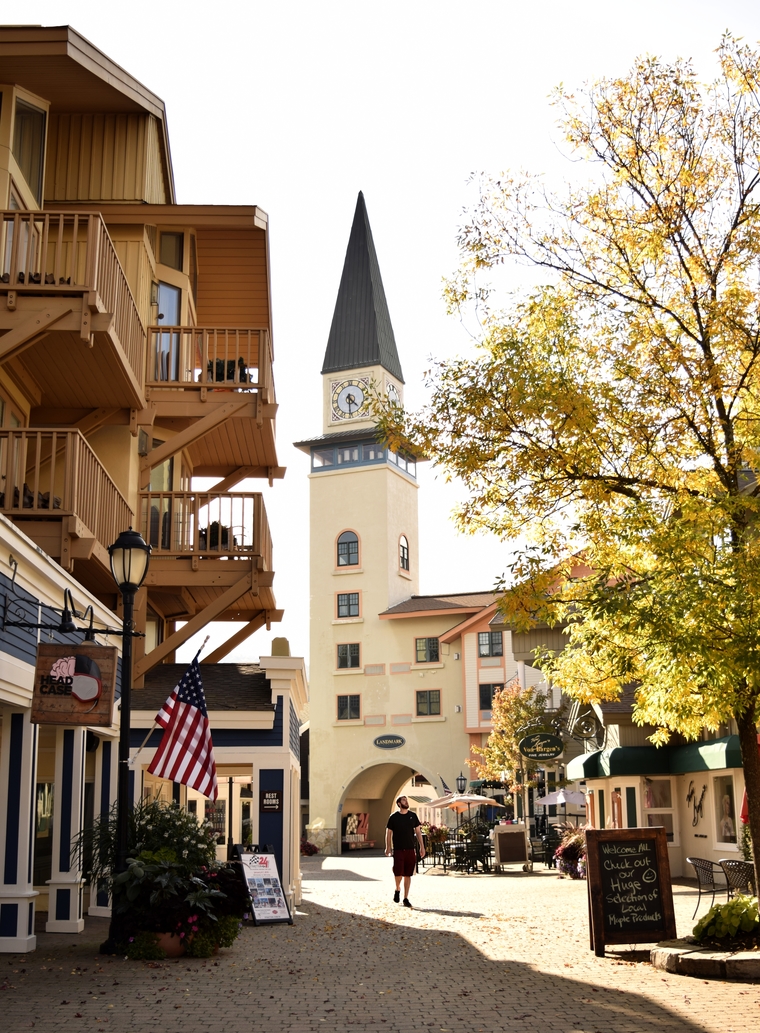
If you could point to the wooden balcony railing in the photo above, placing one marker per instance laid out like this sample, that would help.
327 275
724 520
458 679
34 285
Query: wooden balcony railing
219 359
56 253
54 472
210 524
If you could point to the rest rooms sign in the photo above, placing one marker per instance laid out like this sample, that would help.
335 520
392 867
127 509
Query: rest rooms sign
74 685
263 880
270 801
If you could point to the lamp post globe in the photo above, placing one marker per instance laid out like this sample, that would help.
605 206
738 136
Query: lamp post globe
461 783
130 556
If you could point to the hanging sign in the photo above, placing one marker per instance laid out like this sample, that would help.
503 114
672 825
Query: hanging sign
390 742
268 902
629 891
541 746
74 685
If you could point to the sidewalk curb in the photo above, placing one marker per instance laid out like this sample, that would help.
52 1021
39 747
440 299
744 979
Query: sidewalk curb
686 959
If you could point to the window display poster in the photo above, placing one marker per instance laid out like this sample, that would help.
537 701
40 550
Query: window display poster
268 903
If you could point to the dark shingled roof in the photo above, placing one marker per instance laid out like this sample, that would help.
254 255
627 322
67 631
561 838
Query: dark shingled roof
226 687
456 601
623 704
365 434
361 333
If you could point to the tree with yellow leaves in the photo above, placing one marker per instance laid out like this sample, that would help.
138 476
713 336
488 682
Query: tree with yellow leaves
515 713
614 414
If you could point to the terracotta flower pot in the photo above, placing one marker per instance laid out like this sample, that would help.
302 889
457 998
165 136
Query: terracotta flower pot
173 945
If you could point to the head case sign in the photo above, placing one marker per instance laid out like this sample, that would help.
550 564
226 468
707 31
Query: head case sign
74 685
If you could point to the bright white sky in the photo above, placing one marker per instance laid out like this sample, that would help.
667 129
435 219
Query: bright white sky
296 105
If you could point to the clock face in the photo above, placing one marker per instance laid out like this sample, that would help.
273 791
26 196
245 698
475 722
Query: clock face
392 392
349 398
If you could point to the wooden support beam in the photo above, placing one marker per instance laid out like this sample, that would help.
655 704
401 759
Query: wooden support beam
94 420
186 437
196 623
234 640
165 573
35 327
234 478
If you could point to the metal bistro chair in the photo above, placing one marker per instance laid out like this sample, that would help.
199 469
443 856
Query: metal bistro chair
706 872
740 876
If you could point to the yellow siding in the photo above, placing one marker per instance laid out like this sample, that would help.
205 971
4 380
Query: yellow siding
232 278
104 158
129 242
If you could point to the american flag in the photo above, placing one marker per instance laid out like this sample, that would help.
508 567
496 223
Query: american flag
446 789
186 753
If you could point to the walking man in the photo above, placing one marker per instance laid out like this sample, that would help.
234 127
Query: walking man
403 826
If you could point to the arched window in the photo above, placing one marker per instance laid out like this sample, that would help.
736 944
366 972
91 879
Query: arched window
348 550
403 552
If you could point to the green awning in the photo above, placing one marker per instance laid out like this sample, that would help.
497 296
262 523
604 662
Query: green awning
585 766
707 756
715 755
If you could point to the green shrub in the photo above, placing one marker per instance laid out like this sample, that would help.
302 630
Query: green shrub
221 933
737 918
144 947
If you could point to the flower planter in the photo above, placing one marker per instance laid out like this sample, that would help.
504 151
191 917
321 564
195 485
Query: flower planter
171 944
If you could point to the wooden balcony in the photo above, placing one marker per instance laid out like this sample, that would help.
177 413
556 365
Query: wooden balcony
70 326
202 359
55 488
206 525
214 388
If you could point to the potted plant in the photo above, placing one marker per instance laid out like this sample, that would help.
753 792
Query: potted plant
174 897
571 852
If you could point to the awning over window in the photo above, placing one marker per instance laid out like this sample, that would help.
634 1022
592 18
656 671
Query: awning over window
714 755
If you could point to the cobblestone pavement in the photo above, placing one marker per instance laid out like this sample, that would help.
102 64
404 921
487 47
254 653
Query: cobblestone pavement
478 953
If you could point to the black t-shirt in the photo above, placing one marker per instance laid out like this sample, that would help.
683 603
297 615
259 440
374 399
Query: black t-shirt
402 826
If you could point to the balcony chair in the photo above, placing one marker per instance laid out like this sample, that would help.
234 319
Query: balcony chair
706 872
229 371
740 876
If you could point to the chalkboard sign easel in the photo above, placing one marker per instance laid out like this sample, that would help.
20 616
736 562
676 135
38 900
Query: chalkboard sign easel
629 891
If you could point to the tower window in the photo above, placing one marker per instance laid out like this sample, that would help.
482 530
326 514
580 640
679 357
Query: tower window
403 552
490 643
427 650
348 604
349 708
348 656
428 702
348 549
486 695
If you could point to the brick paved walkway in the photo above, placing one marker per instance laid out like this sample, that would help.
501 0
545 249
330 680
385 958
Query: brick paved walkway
478 953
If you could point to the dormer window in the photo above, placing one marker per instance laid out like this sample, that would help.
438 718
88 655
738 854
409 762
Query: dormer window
29 144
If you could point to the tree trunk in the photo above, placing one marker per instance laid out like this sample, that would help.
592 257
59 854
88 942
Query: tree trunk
751 762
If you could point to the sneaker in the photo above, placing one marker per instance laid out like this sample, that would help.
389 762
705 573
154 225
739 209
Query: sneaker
396 897
406 902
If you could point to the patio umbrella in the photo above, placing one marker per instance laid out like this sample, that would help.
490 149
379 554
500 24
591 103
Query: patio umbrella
461 802
564 796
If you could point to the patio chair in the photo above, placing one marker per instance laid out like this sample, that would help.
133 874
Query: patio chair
740 876
706 872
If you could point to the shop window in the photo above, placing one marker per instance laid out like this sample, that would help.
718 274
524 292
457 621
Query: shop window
349 708
427 650
348 655
43 842
490 643
29 145
428 702
486 695
658 805
216 817
403 552
725 809
348 604
348 549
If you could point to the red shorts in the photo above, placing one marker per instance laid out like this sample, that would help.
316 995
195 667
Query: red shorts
404 862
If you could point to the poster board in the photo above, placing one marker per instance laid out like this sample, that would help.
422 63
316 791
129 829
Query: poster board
74 684
629 890
268 902
510 844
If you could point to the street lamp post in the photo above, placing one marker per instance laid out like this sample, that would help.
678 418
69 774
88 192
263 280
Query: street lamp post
129 556
461 783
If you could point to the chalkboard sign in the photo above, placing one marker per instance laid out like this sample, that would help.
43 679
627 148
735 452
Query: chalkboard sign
629 890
